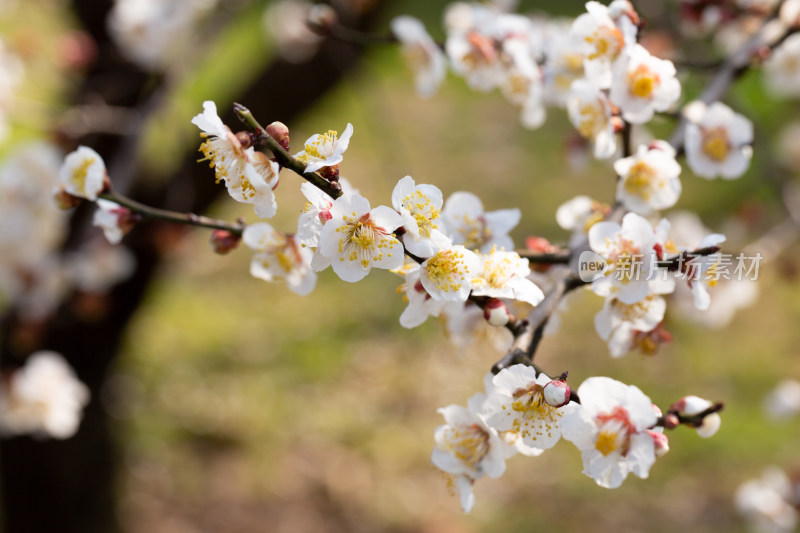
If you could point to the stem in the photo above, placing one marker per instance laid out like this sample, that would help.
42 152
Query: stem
557 258
190 219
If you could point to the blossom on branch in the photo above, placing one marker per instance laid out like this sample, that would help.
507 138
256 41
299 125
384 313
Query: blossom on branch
420 206
504 275
280 257
249 176
468 224
355 239
649 178
421 53
44 398
610 428
718 141
325 149
590 112
618 323
449 273
467 448
83 173
517 404
643 84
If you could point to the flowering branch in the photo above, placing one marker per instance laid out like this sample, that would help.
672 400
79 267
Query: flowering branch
675 417
284 158
189 219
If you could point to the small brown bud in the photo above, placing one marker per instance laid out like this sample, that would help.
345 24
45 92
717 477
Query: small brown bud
223 241
280 132
671 421
245 138
330 173
66 200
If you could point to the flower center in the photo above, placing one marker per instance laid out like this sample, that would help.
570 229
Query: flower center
469 444
78 177
593 120
642 82
614 433
716 144
446 270
607 42
640 178
322 147
422 210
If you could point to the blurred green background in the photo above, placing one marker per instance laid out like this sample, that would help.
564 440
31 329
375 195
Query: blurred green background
240 406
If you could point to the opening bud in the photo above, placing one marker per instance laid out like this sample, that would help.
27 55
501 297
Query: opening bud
496 313
660 441
223 241
556 392
280 132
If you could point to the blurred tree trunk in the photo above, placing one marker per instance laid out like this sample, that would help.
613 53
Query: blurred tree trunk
70 486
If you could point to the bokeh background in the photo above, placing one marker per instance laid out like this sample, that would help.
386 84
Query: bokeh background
237 406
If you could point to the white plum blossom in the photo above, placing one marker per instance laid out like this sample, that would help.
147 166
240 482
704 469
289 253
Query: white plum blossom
610 428
517 404
700 272
579 214
468 224
325 149
279 257
618 323
467 449
420 304
718 142
768 503
420 206
782 68
421 53
629 251
523 83
355 239
601 41
43 398
471 46
504 275
110 217
590 112
783 402
564 62
97 266
448 274
83 173
649 179
155 33
643 84
249 176
285 23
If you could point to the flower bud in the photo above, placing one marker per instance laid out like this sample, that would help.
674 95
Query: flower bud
671 421
65 200
660 441
710 425
495 312
556 393
322 16
280 132
223 241
245 138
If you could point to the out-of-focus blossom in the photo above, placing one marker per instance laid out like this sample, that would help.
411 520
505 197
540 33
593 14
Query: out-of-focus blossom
783 402
768 503
718 142
43 398
468 224
421 53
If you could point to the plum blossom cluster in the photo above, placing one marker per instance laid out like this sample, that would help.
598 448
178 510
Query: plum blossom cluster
615 426
34 275
770 503
44 398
